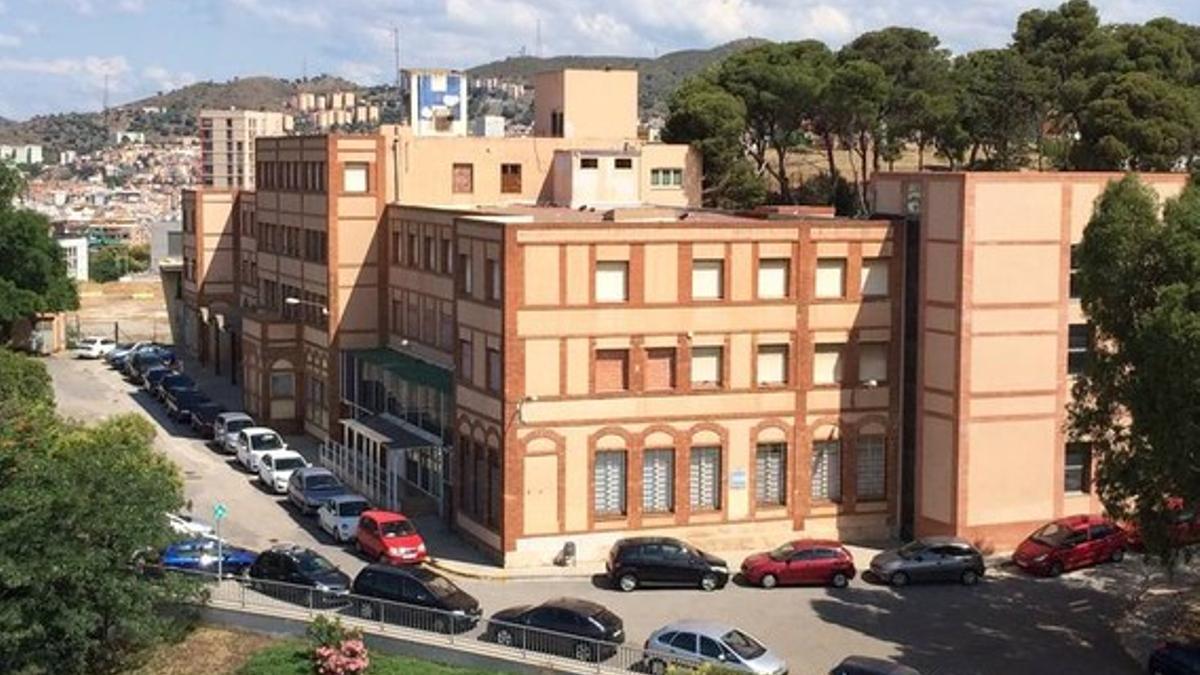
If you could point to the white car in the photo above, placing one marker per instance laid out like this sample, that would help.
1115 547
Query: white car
225 430
252 442
188 526
276 467
338 516
94 347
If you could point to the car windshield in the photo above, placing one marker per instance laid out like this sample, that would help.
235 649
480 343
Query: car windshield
266 442
743 645
311 563
237 425
782 553
1052 534
352 509
320 482
441 587
288 463
397 528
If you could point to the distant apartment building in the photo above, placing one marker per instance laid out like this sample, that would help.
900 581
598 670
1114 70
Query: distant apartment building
227 145
435 101
21 154
75 252
334 109
128 137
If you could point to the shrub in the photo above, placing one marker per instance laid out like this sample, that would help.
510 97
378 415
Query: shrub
337 650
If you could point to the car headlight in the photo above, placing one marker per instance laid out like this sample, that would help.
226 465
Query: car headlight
320 586
421 548
395 550
1041 558
458 612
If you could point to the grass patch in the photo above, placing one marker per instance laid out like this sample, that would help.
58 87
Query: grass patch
204 651
291 658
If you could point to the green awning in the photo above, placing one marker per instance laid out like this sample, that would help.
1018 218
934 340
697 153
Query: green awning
409 368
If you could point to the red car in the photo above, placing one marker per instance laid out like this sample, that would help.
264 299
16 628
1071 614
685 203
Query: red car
389 537
1070 543
1183 526
806 561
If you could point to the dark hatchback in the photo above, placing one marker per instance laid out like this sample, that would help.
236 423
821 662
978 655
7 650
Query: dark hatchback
181 403
137 365
299 575
173 381
663 561
414 596
152 377
571 627
203 416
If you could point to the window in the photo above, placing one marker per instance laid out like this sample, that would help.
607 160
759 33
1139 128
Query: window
464 359
831 278
612 370
589 163
1079 342
704 479
706 366
493 372
283 385
510 179
770 477
872 467
827 471
612 281
447 257
658 481
413 252
463 179
875 277
493 279
610 483
1077 471
354 177
430 253
772 364
707 279
1073 279
623 163
660 368
827 364
872 362
557 125
665 178
773 278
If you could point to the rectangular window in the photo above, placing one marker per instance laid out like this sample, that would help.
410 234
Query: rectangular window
623 163
707 278
658 481
465 273
660 369
772 364
589 163
609 482
831 278
447 257
872 363
706 366
413 253
1073 279
827 471
430 253
770 477
773 278
463 179
283 385
493 279
612 281
465 354
612 370
875 277
872 467
1077 470
827 364
704 479
1079 343
666 178
510 179
354 177
494 371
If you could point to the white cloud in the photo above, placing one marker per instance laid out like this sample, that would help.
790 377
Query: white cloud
285 12
90 66
164 80
131 6
360 72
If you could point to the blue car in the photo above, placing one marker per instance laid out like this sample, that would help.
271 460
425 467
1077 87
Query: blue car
200 555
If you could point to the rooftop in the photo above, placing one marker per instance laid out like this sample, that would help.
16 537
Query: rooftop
638 214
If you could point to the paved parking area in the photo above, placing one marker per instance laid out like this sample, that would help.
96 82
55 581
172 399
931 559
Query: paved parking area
1008 624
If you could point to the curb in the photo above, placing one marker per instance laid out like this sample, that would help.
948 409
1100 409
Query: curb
453 570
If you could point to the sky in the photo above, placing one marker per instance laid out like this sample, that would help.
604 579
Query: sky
56 54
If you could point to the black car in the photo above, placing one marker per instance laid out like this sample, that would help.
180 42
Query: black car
663 561
153 376
300 575
414 596
203 416
866 665
139 363
577 628
181 403
172 381
1173 658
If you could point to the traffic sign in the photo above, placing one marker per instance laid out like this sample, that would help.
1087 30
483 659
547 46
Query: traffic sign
219 511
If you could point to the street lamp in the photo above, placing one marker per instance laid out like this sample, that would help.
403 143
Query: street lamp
298 301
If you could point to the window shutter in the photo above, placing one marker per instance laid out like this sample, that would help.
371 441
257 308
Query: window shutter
827 471
773 278
610 482
705 479
831 278
706 365
612 370
706 279
872 362
660 368
827 364
772 364
769 476
875 277
611 281
658 481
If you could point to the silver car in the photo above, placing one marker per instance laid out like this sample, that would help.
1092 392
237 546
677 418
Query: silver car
692 643
226 427
930 559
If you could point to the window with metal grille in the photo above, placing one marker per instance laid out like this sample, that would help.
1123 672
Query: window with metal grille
827 471
1077 469
872 467
658 481
770 477
610 483
704 478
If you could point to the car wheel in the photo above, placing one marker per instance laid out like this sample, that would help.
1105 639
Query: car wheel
1117 555
899 579
839 580
969 577
1056 569
627 583
708 582
583 651
504 637
658 667
768 581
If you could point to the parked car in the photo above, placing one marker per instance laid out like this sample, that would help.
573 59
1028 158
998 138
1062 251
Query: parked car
311 487
578 628
930 559
137 364
153 376
226 428
692 643
172 381
1183 526
1173 658
185 524
119 351
200 554
181 403
301 575
414 596
276 467
389 537
93 347
806 561
203 417
663 561
252 442
117 357
866 665
339 514
1070 543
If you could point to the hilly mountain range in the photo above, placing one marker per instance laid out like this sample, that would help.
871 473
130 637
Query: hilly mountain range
173 113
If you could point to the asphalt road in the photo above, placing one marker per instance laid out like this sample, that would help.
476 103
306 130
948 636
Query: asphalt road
1008 624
